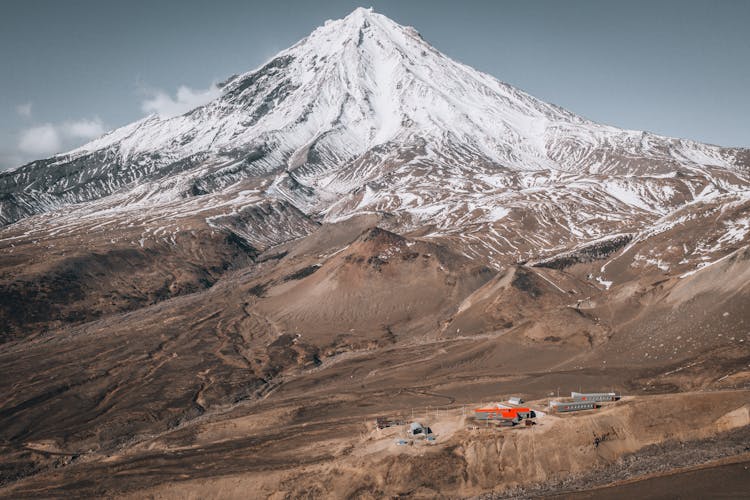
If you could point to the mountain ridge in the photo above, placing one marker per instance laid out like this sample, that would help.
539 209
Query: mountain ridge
364 116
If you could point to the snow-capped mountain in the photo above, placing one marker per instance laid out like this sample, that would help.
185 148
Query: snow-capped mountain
359 227
364 116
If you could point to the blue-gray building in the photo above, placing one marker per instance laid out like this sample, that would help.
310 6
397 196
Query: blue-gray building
565 406
594 396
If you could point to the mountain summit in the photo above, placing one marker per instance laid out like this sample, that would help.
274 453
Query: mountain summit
364 116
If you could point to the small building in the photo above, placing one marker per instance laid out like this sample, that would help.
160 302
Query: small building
524 412
417 429
594 396
566 406
515 401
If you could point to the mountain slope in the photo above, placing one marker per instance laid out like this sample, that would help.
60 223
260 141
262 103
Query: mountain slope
361 118
365 116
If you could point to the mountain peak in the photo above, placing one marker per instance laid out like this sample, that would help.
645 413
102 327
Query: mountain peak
360 13
353 28
361 16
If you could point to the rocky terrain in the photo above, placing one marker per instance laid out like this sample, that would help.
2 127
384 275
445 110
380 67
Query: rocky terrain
220 304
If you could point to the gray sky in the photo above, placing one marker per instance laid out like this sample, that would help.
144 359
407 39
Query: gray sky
73 69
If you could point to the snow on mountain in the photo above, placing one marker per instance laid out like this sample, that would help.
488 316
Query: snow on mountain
364 116
365 81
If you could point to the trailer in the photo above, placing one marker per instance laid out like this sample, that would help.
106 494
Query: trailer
594 396
496 419
506 422
384 422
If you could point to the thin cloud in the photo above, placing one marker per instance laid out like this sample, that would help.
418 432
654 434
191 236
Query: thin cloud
83 129
41 140
24 110
166 106
50 138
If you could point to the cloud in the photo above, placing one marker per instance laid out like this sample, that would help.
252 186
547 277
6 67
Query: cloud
166 106
52 138
83 129
24 110
41 140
